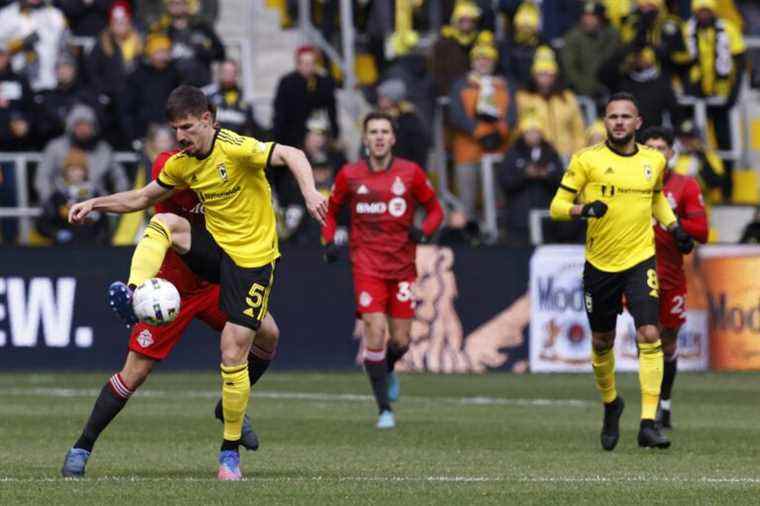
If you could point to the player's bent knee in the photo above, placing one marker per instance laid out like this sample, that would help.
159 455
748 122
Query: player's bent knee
136 370
602 341
648 334
269 333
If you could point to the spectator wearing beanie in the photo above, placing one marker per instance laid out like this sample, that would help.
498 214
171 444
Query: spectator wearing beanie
148 87
412 138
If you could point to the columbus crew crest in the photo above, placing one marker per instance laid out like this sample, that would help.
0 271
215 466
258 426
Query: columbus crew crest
398 187
223 172
648 172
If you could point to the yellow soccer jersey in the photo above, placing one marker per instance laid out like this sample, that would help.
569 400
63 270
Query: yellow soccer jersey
631 186
233 189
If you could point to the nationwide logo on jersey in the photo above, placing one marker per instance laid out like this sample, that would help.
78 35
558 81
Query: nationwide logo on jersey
223 172
362 190
609 171
398 187
365 299
648 172
145 339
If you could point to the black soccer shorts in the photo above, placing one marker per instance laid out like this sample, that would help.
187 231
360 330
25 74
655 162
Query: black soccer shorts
244 292
603 292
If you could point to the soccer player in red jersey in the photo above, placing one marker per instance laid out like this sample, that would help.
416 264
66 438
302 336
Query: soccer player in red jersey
149 344
383 192
685 197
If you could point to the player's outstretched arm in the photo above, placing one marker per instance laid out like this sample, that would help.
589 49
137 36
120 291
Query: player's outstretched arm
122 202
295 159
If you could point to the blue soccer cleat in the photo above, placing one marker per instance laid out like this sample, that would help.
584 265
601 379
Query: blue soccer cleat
248 438
229 466
120 301
386 420
394 386
74 463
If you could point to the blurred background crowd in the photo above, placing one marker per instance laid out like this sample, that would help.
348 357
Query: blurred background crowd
492 97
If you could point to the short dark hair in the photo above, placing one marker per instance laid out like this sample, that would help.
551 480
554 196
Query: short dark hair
184 101
622 95
658 132
379 115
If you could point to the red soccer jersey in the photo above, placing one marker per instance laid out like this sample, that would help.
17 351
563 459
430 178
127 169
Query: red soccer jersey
382 212
685 198
186 204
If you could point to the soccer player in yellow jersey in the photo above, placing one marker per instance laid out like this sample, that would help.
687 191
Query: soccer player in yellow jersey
238 247
617 187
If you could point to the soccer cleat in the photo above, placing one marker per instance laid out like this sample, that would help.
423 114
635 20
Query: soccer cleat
386 420
394 386
248 437
663 418
229 466
120 301
650 436
74 463
611 426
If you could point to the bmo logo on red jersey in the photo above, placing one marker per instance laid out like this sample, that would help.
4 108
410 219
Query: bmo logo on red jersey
371 207
396 207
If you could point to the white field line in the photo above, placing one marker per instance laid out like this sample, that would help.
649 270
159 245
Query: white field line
415 479
303 396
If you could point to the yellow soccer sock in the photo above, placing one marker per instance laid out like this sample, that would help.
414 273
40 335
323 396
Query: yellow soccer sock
604 373
149 253
235 390
650 377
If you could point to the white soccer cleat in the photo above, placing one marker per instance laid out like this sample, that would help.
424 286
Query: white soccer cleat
386 420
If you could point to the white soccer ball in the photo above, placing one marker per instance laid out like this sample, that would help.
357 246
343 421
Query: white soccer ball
156 302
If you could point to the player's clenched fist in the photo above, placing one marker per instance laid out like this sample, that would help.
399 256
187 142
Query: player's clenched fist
78 212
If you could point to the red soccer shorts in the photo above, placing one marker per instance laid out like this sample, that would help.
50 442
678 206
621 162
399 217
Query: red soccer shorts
390 296
673 307
158 342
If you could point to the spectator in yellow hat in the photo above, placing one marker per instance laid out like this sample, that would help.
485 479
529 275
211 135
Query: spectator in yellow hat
650 24
717 58
450 58
529 176
555 106
478 114
518 51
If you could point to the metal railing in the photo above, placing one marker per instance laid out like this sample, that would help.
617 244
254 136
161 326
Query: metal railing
23 211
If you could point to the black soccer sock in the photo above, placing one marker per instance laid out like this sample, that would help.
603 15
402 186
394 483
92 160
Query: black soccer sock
668 378
258 363
374 364
395 353
113 396
228 445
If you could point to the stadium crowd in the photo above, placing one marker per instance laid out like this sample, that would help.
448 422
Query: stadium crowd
83 79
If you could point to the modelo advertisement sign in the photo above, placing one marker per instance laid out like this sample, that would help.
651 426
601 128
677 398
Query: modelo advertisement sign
560 337
731 277
472 312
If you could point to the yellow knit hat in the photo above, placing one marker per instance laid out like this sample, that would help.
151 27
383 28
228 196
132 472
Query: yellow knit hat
484 51
527 16
704 4
157 42
465 10
530 122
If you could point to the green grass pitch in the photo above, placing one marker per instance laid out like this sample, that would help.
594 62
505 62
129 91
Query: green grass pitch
495 439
